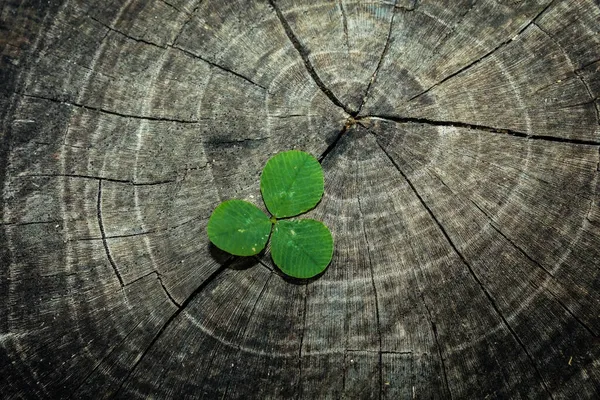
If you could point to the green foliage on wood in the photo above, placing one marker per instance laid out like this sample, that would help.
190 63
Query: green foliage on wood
239 228
291 184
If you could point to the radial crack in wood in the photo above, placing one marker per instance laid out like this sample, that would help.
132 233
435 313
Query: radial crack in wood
477 279
307 63
489 54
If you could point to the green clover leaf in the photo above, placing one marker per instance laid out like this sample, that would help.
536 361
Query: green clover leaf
301 248
239 228
291 184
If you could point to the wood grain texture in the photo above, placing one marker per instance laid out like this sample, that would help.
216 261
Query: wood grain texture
460 143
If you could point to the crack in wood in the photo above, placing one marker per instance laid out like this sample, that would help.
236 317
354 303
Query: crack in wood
591 207
577 74
140 278
594 100
572 314
127 235
539 265
159 279
263 264
345 371
412 7
553 40
177 48
175 8
110 112
377 315
587 64
483 128
148 232
190 17
220 67
104 241
471 271
300 366
17 223
487 55
99 178
307 63
492 224
345 25
291 116
437 344
246 329
380 62
429 314
531 259
575 105
111 29
333 144
403 353
211 278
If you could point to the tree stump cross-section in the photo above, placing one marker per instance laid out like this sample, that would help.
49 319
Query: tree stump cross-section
460 142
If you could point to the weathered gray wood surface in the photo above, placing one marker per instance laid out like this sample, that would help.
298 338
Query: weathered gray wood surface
460 143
